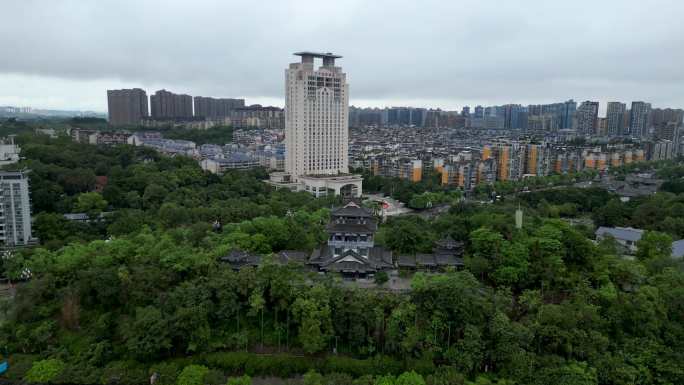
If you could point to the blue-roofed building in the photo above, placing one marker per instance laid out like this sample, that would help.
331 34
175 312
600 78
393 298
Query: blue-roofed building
625 236
678 249
231 161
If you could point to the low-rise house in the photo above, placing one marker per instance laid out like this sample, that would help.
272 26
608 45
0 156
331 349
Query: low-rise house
234 161
138 138
81 136
109 138
239 259
292 256
678 249
626 237
447 253
85 218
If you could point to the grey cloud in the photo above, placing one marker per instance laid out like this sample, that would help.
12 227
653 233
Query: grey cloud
498 51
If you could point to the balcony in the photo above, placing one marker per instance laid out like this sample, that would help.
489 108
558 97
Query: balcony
350 244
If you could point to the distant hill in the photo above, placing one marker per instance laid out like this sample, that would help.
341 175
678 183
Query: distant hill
28 113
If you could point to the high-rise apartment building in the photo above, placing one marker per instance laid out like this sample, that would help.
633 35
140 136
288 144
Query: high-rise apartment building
167 105
515 116
551 117
660 117
586 118
568 114
127 106
216 108
316 128
15 209
510 160
479 112
638 119
614 116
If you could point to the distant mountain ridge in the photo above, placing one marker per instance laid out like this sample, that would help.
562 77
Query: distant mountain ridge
27 112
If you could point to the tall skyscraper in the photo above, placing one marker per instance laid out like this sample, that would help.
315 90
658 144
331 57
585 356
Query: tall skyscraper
15 209
316 128
614 116
127 106
587 118
167 105
638 119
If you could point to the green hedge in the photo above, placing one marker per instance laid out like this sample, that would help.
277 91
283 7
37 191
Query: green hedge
287 365
230 363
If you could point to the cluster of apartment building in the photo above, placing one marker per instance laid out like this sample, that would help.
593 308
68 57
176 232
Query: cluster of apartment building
511 160
639 121
164 108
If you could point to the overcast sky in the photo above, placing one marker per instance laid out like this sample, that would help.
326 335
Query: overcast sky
65 54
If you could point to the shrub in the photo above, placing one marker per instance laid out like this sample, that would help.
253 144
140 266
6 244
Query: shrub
124 373
339 379
421 366
354 367
410 378
231 362
192 375
381 278
445 375
79 373
384 365
44 371
312 378
215 377
384 380
364 380
244 380
167 373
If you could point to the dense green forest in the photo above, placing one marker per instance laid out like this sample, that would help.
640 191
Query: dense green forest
141 290
145 189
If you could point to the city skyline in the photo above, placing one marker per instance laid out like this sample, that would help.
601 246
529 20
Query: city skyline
479 52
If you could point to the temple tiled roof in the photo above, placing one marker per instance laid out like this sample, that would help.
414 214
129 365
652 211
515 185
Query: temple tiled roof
429 260
378 258
351 209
